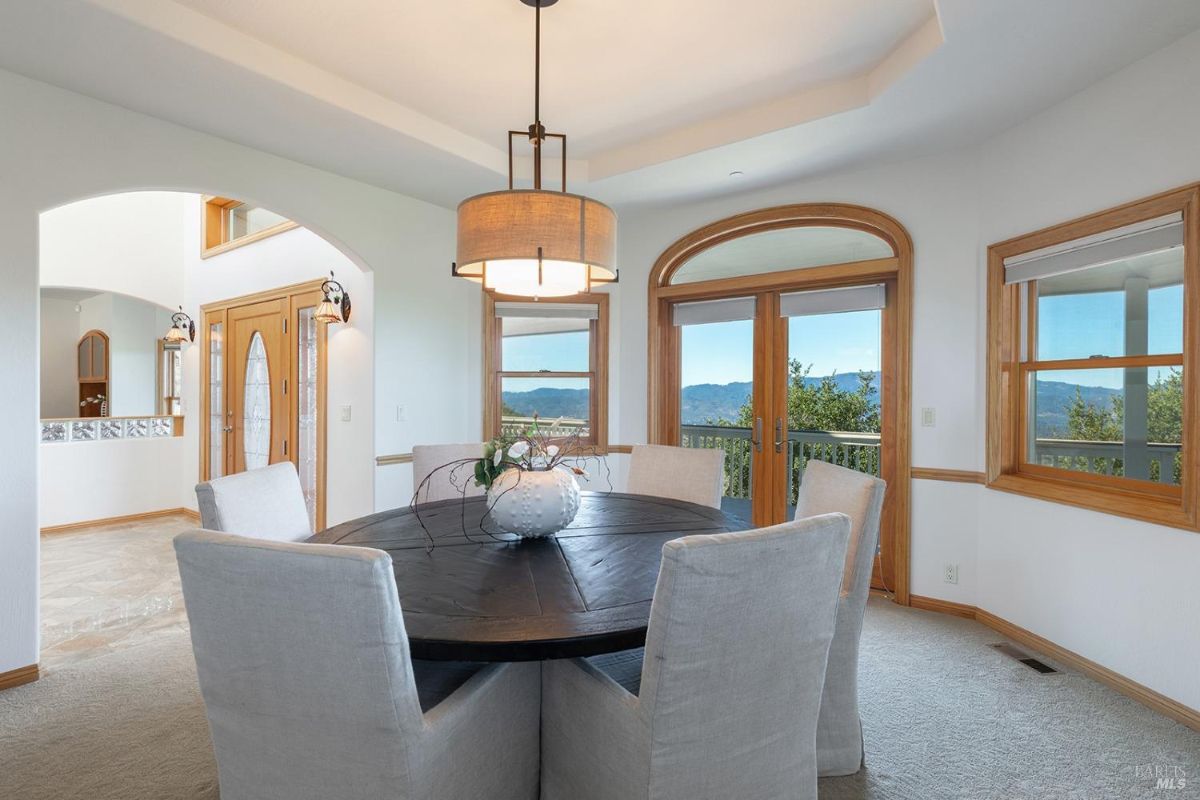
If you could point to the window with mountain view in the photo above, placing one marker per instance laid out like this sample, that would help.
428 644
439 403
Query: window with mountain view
547 361
1098 348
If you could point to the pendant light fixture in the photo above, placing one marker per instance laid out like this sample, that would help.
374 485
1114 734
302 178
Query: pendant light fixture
536 242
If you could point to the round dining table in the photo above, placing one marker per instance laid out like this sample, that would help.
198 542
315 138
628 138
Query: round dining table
470 592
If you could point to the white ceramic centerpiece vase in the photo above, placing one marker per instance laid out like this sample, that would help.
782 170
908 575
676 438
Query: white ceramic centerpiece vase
533 503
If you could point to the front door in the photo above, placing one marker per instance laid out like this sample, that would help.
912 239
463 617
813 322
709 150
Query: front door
257 405
263 382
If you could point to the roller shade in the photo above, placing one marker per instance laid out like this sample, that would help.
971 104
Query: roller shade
833 301
1140 238
549 310
735 308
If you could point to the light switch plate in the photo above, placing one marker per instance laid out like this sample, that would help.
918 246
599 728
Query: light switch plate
928 418
345 413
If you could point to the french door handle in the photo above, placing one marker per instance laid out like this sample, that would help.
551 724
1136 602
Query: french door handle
779 434
756 439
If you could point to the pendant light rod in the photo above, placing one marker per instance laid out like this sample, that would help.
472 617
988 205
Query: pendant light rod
536 133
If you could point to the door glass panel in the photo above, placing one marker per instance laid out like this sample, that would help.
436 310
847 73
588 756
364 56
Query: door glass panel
256 406
306 401
561 404
715 408
216 402
833 393
779 250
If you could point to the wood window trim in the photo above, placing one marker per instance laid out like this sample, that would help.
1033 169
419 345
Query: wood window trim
597 357
1007 468
214 228
298 296
897 271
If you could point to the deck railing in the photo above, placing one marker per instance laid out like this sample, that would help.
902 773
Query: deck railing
857 451
1164 459
511 426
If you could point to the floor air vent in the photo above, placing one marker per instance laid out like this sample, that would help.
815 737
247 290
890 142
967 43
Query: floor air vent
1017 653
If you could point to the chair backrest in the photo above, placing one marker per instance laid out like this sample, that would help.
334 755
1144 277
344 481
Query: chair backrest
449 483
303 665
265 503
828 488
739 631
692 474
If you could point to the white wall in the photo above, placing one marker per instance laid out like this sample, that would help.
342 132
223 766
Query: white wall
1117 591
133 327
62 147
124 243
58 375
82 481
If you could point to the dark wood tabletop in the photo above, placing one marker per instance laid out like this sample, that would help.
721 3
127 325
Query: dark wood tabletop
471 595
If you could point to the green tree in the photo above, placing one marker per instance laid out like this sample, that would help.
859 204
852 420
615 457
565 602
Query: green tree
1165 408
1095 423
822 405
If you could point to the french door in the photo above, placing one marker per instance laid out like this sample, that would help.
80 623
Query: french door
263 388
777 378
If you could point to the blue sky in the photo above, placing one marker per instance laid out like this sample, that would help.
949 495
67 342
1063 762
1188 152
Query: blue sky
1070 326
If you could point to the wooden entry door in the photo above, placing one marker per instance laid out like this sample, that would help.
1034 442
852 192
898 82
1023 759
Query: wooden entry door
263 385
257 405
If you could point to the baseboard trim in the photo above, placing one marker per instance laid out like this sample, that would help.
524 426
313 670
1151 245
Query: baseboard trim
166 512
942 606
1184 715
18 677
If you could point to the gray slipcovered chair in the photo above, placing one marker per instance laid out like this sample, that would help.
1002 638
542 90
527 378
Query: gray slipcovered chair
730 686
265 503
692 474
449 484
826 488
304 668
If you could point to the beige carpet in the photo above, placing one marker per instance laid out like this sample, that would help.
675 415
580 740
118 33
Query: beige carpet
945 715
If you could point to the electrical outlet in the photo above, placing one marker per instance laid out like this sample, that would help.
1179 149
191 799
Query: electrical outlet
950 573
928 418
400 417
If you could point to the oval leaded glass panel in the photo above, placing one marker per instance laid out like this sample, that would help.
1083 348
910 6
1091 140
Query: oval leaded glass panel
256 406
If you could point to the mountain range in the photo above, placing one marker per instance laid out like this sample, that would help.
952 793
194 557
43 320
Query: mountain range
705 402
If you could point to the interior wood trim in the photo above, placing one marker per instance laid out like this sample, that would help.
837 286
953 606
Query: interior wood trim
267 294
1185 715
951 475
406 458
144 515
19 676
897 272
942 606
1153 700
1007 468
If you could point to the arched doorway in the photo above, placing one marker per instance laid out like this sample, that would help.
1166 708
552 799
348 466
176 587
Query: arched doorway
741 310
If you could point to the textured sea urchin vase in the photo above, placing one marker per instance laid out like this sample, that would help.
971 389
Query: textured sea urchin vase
533 503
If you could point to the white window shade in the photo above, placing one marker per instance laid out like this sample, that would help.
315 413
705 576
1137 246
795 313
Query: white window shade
549 310
1140 238
705 311
833 301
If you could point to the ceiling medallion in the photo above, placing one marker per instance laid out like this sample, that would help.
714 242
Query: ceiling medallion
536 242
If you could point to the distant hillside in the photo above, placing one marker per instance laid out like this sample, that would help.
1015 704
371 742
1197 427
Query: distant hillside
711 401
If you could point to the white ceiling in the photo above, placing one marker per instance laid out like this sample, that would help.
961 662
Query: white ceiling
661 99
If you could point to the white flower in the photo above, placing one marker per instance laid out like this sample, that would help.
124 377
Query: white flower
519 449
496 459
552 450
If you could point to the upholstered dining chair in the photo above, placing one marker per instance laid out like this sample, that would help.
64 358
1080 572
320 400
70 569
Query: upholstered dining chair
730 686
265 503
827 488
305 673
692 474
448 484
